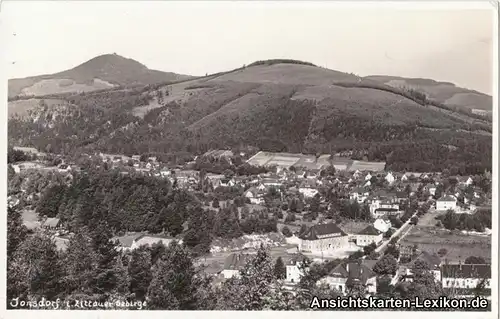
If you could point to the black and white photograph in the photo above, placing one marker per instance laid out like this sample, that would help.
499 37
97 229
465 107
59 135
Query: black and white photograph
250 156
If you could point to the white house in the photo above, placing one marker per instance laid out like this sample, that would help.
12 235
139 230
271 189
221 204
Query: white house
446 202
369 235
382 225
378 204
16 168
368 183
254 196
293 271
368 177
227 182
359 194
390 178
165 172
433 261
431 188
308 192
324 237
64 168
342 276
469 181
467 276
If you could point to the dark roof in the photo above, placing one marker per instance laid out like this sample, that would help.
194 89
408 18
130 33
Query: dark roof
322 230
295 259
51 222
369 230
447 198
386 210
236 261
352 271
466 271
401 195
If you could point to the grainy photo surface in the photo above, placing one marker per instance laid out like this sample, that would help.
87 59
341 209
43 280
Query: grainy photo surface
248 156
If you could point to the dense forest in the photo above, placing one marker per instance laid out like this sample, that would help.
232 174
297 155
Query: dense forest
138 203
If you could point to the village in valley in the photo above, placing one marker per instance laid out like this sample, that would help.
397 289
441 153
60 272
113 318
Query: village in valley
367 224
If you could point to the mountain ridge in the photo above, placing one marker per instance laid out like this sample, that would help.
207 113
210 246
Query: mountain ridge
291 107
101 72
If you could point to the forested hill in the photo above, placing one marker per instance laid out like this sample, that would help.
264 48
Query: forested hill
275 105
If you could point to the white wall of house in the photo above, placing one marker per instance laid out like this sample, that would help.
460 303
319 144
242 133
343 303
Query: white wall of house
365 240
230 273
360 198
308 192
436 273
293 273
371 285
293 240
445 205
376 204
381 225
468 283
324 244
336 283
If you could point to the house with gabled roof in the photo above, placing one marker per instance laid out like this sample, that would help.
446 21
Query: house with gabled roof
446 202
234 263
359 194
432 260
51 223
324 237
349 273
293 269
368 235
254 195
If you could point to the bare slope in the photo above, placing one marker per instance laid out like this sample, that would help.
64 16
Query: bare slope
443 92
105 71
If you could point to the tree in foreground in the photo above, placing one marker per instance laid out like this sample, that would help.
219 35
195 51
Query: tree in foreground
35 271
387 265
173 285
279 269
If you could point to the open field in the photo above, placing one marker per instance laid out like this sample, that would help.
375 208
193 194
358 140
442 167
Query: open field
459 246
367 166
429 219
52 86
30 219
21 108
309 161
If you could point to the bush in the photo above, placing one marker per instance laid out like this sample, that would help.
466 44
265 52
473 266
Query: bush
442 252
286 231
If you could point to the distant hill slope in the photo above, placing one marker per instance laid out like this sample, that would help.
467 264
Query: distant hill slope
293 107
443 92
102 72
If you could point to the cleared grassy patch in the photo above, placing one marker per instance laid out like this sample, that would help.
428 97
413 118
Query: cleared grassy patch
459 246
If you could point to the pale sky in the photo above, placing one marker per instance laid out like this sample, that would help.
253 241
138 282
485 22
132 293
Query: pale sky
206 37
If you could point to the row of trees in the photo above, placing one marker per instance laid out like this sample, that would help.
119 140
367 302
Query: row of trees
477 221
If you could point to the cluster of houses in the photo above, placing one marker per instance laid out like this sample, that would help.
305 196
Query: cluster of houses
456 276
